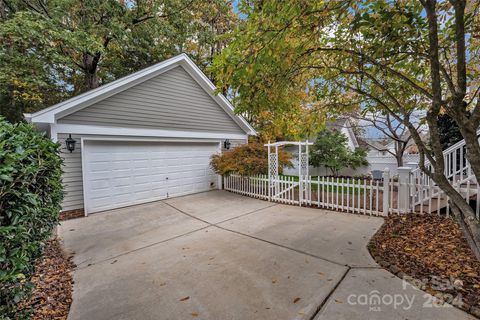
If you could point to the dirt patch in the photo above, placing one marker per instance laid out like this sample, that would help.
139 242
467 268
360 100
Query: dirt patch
52 294
432 250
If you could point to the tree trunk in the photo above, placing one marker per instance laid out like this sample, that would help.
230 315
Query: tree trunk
91 80
471 145
90 64
463 213
465 226
399 158
3 10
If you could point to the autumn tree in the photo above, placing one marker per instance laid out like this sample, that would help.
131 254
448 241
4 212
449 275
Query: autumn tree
392 53
248 159
51 50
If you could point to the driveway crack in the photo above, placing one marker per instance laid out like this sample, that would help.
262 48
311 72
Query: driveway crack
283 246
253 237
324 302
138 249
215 224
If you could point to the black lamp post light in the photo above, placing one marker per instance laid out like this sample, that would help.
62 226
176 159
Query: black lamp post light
70 143
226 144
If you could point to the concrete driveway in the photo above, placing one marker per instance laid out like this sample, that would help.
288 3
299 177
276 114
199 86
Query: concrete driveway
217 255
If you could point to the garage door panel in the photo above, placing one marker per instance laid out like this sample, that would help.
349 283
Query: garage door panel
124 173
100 166
158 177
100 184
120 190
120 165
120 182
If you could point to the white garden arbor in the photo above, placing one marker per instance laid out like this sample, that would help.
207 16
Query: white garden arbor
276 189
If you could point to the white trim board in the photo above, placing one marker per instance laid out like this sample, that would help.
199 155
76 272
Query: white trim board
55 112
140 132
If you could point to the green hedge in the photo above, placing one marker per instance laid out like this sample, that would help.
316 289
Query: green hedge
30 197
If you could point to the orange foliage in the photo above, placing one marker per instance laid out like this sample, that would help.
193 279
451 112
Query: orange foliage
247 159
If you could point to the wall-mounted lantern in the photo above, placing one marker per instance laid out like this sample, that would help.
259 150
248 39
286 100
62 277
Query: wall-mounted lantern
70 143
226 144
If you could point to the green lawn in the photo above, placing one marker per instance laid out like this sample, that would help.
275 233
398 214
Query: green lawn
332 188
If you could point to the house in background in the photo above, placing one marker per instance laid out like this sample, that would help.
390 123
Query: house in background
378 156
145 137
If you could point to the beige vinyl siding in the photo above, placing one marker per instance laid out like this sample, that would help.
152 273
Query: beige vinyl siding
72 171
172 101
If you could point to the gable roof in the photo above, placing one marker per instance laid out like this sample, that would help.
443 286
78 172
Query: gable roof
64 108
375 144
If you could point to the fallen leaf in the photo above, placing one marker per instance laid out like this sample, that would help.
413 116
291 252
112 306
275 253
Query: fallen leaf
338 301
185 299
194 314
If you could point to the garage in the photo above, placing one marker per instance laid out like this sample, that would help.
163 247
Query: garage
124 173
144 137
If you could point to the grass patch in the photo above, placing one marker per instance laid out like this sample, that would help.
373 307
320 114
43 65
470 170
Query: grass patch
331 187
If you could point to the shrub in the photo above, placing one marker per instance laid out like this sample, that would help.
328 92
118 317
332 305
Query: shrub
30 197
247 159
330 150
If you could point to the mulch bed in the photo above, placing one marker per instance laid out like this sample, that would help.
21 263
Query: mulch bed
52 293
433 250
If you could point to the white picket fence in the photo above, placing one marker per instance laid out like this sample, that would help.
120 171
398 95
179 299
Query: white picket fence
252 186
363 196
397 195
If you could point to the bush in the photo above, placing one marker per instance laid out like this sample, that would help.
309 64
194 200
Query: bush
30 197
330 151
247 159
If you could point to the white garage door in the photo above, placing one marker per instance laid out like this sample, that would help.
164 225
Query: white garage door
119 174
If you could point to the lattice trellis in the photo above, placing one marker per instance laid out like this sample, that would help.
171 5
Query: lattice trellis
302 156
273 165
303 159
276 189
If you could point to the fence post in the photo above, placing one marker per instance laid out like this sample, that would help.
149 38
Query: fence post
269 175
412 164
386 191
404 189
